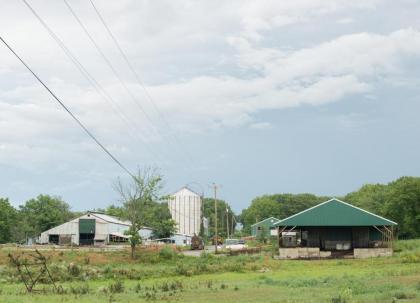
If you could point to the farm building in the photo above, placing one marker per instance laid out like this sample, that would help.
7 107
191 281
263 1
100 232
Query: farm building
98 229
185 208
265 226
335 229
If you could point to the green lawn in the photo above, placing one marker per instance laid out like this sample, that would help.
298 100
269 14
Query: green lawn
172 278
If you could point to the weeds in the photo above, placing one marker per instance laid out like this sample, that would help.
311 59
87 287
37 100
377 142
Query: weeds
116 287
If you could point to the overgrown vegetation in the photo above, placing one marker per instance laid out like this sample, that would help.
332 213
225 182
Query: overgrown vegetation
166 275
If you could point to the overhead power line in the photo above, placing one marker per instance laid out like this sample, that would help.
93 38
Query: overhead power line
122 82
89 133
95 84
137 77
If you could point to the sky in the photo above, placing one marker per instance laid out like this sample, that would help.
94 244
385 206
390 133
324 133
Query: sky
261 97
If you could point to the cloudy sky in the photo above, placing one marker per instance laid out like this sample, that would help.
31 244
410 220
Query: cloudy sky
262 97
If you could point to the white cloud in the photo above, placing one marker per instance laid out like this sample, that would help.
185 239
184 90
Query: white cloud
260 125
207 65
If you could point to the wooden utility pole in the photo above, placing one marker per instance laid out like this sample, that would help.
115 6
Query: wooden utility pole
227 222
215 187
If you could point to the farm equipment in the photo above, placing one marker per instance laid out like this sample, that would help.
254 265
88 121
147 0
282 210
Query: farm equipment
197 243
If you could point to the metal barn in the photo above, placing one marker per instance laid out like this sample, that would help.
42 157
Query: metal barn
90 229
265 226
335 229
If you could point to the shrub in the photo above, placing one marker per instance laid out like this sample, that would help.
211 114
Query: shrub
80 290
74 269
116 287
167 253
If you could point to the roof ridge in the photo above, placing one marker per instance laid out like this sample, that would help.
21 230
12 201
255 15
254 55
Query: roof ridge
340 201
265 220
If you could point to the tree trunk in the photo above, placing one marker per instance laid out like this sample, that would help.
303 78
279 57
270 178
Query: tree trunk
133 251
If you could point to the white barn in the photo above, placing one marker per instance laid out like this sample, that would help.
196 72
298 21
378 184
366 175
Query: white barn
90 229
99 229
185 207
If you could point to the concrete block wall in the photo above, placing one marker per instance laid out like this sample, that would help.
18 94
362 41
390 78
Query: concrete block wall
362 253
299 253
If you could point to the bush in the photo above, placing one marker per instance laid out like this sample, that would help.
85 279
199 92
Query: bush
80 290
167 253
74 269
116 287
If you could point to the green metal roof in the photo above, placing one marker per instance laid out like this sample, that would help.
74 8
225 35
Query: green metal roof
334 213
268 221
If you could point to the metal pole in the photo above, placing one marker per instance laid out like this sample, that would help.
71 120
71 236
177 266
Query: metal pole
215 217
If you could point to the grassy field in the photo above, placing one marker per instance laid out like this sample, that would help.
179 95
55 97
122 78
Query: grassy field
167 276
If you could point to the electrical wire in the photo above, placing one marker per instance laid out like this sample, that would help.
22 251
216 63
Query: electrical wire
137 77
91 79
119 78
89 133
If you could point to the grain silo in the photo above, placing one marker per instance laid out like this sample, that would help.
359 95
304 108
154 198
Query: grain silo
185 207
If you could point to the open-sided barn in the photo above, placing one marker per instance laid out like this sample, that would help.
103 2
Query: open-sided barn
98 229
335 228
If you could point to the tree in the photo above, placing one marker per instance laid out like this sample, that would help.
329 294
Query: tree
43 213
403 205
222 206
8 222
371 197
161 221
138 197
116 211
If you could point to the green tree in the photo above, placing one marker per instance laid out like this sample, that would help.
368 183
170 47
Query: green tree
138 198
8 221
43 213
403 205
223 210
161 221
398 200
371 197
116 211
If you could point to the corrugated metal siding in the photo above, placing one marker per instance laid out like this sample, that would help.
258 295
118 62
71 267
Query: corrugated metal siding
185 208
334 213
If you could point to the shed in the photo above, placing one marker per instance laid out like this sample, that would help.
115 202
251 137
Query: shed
265 226
336 228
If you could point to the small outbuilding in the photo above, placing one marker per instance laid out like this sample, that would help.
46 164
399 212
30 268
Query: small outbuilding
265 226
335 229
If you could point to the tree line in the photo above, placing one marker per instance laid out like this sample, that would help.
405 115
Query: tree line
398 200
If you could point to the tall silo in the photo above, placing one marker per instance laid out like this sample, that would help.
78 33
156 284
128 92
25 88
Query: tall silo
185 207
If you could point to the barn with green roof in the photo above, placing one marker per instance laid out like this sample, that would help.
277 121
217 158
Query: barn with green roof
335 229
265 226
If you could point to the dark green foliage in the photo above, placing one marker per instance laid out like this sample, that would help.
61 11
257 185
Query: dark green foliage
161 221
208 212
398 201
8 220
43 213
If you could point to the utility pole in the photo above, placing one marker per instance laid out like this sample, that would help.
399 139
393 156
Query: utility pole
215 188
227 222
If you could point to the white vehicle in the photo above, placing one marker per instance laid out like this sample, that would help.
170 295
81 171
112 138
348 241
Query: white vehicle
234 244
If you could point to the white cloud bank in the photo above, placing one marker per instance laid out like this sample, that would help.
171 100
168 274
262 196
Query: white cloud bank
221 69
